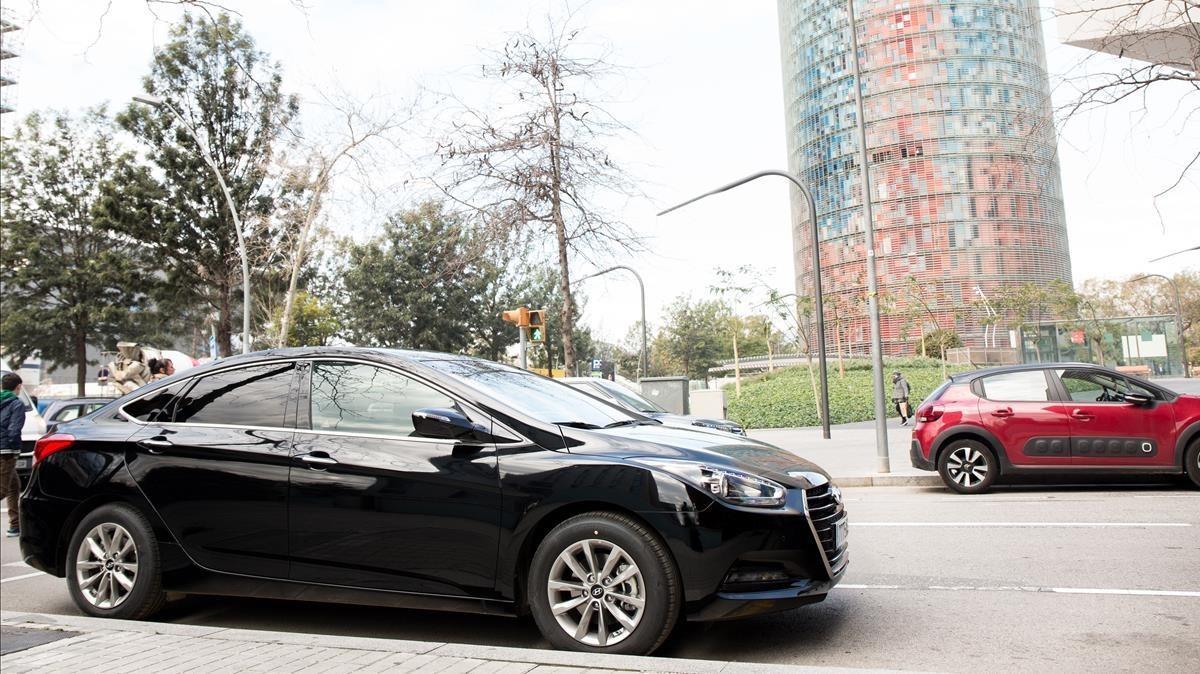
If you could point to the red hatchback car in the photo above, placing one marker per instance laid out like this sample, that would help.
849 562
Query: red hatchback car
979 427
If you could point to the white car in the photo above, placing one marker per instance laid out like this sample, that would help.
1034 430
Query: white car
620 396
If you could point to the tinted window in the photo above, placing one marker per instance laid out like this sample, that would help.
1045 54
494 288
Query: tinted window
1093 386
358 398
1029 385
156 406
541 398
248 396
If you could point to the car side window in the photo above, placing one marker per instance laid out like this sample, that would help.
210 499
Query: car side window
1093 386
1021 386
67 413
361 398
248 396
157 406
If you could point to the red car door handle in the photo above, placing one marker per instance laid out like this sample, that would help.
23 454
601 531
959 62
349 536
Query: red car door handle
1002 412
1081 415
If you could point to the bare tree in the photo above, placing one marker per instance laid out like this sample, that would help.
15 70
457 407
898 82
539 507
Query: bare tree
1164 38
359 126
533 166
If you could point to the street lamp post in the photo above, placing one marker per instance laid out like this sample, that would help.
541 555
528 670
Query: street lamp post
642 288
881 436
237 221
816 263
1178 315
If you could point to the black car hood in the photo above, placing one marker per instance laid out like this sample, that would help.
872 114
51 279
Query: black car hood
703 445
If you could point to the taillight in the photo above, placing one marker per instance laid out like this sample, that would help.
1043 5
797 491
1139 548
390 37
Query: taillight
50 444
929 413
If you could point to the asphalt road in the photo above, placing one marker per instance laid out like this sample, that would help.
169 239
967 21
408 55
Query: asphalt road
1035 579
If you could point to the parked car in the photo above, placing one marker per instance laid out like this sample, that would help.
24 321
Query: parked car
61 411
34 428
980 427
631 400
425 480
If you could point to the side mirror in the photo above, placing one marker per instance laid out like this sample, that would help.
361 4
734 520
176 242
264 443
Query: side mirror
447 424
1137 398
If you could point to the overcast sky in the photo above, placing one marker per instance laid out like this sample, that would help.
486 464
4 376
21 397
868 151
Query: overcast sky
703 93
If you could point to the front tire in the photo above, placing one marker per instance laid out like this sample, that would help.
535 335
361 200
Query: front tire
604 583
968 467
1191 462
113 568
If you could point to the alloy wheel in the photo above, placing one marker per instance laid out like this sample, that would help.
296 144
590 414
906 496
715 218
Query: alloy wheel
596 592
106 565
967 466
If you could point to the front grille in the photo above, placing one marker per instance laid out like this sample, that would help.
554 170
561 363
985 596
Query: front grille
825 513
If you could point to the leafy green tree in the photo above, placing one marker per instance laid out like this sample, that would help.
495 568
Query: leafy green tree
212 73
420 284
1034 303
313 322
694 336
69 280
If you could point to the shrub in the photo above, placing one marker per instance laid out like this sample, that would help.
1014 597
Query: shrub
784 398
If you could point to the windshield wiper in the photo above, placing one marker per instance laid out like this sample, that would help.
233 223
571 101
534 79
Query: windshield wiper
632 422
579 424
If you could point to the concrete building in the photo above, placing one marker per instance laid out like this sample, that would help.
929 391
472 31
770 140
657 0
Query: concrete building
964 171
1154 31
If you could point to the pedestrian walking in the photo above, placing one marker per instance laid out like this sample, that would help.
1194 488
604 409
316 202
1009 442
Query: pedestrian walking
900 391
12 418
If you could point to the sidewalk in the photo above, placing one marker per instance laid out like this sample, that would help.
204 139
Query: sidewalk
99 645
850 455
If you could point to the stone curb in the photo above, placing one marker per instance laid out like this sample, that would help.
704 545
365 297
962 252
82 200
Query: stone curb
495 654
931 480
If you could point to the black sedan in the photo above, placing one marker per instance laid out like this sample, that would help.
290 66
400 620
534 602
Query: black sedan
426 480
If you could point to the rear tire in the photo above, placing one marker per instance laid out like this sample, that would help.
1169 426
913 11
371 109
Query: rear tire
113 567
1191 462
612 582
968 467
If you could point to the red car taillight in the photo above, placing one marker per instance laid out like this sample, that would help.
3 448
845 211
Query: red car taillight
50 444
929 413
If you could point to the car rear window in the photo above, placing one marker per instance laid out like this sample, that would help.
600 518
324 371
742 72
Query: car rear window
937 392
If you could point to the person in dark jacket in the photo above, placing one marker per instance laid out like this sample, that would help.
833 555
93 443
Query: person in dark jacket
12 419
900 391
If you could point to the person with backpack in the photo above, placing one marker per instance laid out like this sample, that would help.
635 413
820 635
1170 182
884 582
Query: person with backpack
12 419
900 391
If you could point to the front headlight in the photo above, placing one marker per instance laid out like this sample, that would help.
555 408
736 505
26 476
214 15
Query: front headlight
731 486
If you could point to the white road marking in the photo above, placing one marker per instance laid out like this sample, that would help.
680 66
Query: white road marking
17 564
22 577
1020 524
1028 588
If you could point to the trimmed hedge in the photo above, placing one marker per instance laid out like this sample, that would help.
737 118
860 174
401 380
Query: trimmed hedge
784 398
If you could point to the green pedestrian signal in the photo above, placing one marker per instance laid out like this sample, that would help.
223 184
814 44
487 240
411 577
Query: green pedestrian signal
537 326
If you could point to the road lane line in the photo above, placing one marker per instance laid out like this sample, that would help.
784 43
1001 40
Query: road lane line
1020 524
1027 588
23 577
17 564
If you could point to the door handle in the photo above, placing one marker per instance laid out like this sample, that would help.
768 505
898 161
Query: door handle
1082 416
155 445
1002 412
316 460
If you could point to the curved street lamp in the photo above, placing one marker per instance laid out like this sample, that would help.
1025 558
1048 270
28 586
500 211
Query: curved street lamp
1178 315
642 288
237 221
816 262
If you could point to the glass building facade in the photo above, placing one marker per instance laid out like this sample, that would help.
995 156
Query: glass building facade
964 173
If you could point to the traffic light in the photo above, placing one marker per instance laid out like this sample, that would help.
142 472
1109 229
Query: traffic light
518 317
537 326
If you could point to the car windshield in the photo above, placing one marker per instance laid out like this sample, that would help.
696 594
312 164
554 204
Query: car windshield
631 399
541 398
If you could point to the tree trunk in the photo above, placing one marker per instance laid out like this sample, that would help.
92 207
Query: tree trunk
310 214
224 344
81 362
